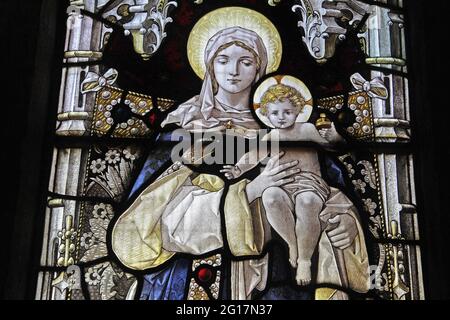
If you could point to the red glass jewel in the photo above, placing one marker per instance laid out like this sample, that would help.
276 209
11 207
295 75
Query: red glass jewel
152 118
204 274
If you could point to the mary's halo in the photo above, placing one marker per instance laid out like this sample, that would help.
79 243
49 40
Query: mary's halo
228 17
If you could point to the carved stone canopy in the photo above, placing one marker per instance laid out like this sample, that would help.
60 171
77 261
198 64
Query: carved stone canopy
326 22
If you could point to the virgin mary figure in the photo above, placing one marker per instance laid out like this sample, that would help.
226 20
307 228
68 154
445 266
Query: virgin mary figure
187 215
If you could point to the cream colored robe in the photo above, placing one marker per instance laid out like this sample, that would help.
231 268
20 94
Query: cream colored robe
179 212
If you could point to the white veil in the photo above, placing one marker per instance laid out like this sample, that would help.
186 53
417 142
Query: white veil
198 111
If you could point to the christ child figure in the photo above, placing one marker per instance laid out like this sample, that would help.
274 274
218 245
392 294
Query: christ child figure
292 209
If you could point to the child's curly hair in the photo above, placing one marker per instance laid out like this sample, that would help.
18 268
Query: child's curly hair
281 92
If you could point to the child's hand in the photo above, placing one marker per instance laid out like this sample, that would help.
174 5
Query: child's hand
231 172
330 134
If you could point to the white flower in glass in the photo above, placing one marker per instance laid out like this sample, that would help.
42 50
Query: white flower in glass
98 166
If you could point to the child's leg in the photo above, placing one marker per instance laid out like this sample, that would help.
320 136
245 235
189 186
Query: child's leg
308 206
280 214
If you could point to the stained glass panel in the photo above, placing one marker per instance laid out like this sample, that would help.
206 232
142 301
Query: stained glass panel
233 150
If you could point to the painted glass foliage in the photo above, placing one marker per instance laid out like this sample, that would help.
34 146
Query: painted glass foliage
247 150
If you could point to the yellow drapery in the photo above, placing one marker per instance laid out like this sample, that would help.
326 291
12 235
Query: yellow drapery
136 237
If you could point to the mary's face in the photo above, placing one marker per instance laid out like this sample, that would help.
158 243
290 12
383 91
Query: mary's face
235 69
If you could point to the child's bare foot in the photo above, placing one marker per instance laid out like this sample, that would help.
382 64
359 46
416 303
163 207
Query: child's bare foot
293 255
303 277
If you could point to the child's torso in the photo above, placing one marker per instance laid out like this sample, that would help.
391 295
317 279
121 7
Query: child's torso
308 158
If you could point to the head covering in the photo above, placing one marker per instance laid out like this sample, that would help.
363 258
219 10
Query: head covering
203 111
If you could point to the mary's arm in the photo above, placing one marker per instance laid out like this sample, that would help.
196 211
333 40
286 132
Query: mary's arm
192 220
343 240
179 212
136 237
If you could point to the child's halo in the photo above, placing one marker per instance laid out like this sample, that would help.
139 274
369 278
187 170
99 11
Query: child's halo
288 81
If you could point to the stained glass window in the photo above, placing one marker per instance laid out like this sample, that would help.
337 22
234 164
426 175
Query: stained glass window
211 150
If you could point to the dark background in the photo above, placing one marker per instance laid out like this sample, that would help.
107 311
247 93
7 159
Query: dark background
32 35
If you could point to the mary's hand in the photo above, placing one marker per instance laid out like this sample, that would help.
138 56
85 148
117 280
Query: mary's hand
344 231
274 175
